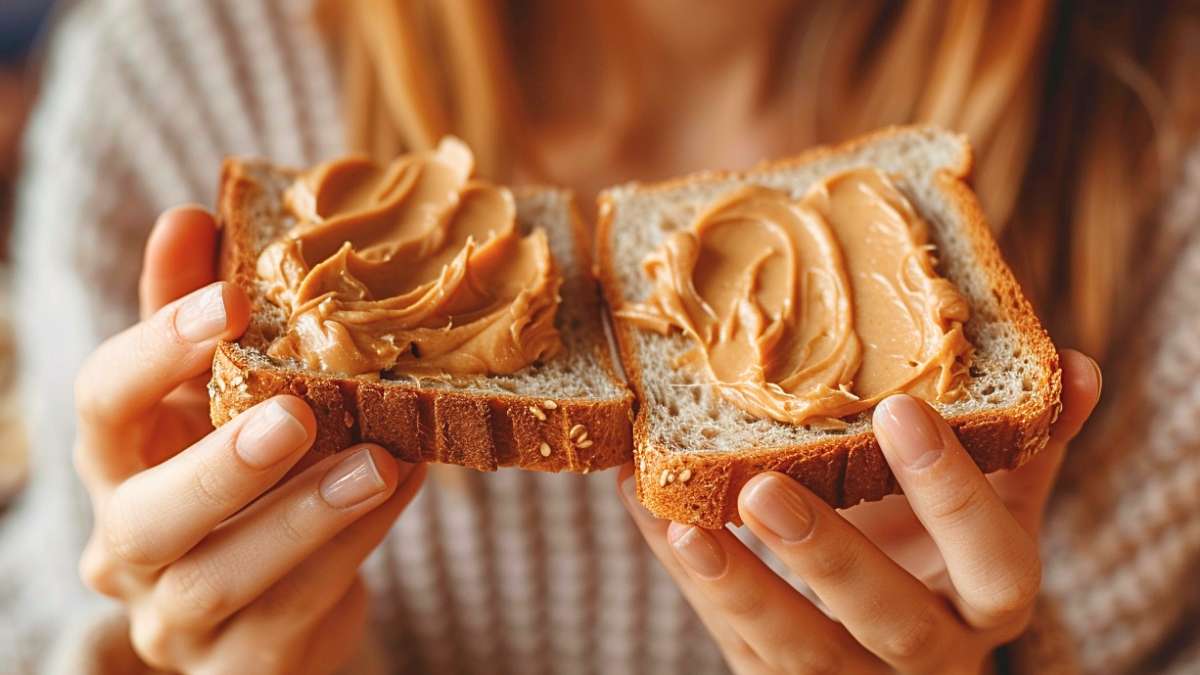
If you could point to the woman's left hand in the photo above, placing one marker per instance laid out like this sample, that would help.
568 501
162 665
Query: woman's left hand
931 582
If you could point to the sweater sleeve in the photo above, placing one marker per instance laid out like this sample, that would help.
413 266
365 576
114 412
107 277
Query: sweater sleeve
100 646
75 202
1121 542
140 100
96 168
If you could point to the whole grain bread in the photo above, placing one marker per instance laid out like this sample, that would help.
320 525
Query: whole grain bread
694 451
532 419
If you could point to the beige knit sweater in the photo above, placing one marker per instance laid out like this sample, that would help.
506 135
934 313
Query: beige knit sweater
512 572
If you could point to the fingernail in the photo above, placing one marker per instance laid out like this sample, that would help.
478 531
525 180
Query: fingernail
779 507
272 434
202 316
908 432
629 489
352 481
1099 377
697 549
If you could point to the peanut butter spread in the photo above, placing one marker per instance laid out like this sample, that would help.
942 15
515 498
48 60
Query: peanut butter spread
414 268
810 310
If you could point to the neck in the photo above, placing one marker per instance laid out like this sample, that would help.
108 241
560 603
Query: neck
649 88
655 53
687 51
701 33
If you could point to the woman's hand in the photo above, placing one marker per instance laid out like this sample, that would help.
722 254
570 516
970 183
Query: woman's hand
931 582
223 564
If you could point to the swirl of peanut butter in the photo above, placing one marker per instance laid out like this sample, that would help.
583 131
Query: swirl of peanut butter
411 268
810 310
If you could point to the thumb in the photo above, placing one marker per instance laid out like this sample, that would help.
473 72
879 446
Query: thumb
1026 489
180 257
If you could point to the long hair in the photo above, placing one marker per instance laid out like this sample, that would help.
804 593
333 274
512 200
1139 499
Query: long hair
1077 112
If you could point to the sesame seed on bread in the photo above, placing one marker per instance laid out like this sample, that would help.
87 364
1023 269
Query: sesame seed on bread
527 419
694 450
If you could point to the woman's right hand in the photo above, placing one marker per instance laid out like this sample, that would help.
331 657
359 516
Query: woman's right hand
223 564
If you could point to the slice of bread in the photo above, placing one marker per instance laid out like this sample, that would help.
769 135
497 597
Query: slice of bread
694 451
524 419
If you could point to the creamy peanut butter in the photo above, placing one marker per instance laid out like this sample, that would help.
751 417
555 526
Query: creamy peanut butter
810 310
414 268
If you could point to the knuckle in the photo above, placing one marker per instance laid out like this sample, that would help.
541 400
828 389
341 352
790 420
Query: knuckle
192 593
957 504
294 524
155 342
1014 627
151 337
97 571
739 649
212 488
913 641
831 563
153 639
89 404
1008 601
739 655
287 597
308 599
750 603
125 538
812 660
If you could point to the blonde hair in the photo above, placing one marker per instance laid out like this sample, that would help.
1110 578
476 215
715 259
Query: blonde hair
1076 120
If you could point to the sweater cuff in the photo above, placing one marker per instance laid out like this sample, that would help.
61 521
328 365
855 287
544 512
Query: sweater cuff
98 644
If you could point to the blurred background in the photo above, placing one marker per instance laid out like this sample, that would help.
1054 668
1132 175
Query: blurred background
21 23
1073 158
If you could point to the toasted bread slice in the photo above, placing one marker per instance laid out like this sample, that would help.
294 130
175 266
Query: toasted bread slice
523 420
694 451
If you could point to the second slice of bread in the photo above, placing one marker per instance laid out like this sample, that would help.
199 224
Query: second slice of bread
530 419
694 451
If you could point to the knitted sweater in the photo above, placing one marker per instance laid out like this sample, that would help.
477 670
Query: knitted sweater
507 572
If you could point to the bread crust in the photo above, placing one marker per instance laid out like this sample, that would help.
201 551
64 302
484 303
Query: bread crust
416 424
843 470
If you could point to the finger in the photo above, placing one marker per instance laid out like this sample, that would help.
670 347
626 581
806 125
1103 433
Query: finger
991 560
250 553
739 655
884 607
158 515
320 645
785 630
1026 489
310 593
340 636
782 627
1082 382
180 257
180 422
131 372
309 590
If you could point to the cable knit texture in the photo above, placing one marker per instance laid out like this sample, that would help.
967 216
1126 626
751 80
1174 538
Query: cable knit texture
508 572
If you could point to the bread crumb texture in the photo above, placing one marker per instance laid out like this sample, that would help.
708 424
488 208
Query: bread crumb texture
484 422
684 424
